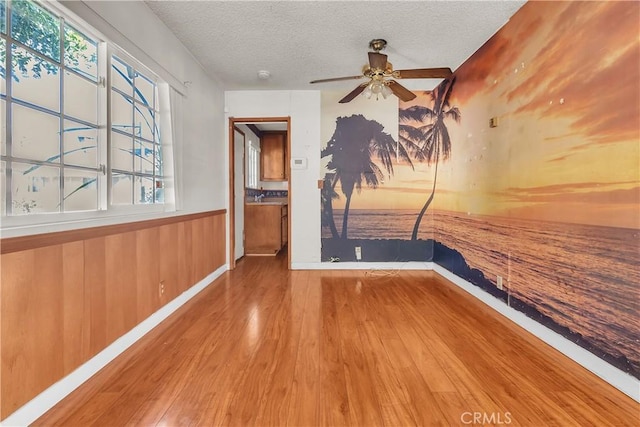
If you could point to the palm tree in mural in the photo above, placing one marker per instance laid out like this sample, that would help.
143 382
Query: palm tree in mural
433 139
328 195
355 144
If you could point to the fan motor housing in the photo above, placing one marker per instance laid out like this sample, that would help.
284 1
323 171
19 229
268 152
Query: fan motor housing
377 44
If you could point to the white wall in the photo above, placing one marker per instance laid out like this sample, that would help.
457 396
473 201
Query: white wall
239 143
133 27
304 109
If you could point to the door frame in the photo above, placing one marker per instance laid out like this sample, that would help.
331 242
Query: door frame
233 121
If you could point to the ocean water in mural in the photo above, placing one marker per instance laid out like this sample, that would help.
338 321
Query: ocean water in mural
582 277
379 224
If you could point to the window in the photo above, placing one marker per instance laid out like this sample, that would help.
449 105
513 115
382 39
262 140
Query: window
136 153
74 137
253 160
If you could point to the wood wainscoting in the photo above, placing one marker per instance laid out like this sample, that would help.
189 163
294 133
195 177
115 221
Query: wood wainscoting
66 296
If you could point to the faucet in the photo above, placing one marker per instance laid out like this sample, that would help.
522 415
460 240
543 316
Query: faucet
258 198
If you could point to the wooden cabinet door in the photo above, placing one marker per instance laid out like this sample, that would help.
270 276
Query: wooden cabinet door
273 157
262 226
285 231
285 226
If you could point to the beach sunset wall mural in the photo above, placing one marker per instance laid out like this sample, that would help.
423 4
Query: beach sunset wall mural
542 209
550 198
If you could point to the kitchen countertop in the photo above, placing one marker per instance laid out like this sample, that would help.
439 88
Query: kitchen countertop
267 203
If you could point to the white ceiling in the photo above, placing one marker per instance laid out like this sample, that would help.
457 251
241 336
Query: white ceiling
299 41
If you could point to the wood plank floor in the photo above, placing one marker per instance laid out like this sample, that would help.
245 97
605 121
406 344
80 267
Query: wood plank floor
265 346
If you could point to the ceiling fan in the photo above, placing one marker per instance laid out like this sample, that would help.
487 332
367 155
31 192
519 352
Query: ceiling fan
381 74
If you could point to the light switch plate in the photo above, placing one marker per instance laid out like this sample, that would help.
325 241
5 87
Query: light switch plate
298 163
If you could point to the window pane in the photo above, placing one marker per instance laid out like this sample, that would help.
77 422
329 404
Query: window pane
159 191
159 170
121 152
3 56
145 90
80 98
35 27
3 17
144 122
144 189
121 189
80 144
121 76
121 113
3 189
80 190
35 80
80 53
143 157
35 189
41 142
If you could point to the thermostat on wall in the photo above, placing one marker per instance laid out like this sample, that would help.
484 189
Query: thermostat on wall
298 163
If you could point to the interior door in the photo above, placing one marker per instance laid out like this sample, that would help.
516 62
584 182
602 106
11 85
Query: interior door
238 179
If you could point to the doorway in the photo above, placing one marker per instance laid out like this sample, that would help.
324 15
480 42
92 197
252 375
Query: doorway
245 134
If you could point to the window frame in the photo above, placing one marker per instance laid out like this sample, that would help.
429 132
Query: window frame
105 211
114 51
253 165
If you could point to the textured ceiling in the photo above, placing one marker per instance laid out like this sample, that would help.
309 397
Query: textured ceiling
299 41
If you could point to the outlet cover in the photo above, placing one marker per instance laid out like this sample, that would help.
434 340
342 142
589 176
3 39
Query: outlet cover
358 253
499 283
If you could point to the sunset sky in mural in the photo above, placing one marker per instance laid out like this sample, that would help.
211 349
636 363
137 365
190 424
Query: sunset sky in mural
406 188
564 82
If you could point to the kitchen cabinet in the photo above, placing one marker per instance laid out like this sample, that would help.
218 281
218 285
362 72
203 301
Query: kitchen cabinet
265 227
284 225
273 156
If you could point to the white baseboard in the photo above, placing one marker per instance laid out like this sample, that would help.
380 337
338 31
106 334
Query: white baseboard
619 379
40 404
408 265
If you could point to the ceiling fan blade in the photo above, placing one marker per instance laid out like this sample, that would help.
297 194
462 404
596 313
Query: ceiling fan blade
400 91
424 73
337 79
377 60
357 91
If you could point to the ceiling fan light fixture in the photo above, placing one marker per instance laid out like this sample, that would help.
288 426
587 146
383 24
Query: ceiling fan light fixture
368 91
377 87
380 73
386 91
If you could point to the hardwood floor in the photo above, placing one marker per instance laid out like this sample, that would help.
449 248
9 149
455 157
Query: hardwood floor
266 346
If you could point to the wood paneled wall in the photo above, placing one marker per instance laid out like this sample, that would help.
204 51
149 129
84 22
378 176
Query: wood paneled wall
66 296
